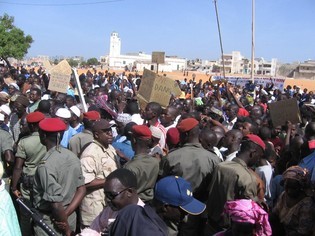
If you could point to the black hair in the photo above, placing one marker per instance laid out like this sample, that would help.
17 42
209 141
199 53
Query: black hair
44 106
37 90
155 107
132 108
125 177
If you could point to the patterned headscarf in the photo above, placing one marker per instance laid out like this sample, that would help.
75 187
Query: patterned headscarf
246 210
297 173
101 102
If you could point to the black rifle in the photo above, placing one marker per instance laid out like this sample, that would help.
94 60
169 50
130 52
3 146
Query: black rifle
38 219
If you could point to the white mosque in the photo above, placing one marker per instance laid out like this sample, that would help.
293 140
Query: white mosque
138 61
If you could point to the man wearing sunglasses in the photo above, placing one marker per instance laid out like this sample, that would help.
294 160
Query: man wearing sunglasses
134 217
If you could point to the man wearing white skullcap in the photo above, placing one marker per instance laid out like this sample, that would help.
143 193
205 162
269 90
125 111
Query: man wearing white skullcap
65 115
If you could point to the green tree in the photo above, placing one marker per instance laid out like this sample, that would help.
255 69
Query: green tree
92 61
13 42
73 63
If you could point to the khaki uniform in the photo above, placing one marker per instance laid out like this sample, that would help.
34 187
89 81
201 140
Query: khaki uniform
57 178
146 169
97 162
6 143
32 151
231 180
79 141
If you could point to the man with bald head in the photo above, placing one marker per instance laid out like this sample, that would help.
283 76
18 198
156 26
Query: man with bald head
232 141
208 140
168 117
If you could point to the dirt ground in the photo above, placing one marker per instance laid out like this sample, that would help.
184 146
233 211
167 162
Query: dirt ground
177 75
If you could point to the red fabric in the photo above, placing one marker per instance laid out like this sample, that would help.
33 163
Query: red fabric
142 131
92 115
52 125
187 124
242 112
35 117
256 139
172 136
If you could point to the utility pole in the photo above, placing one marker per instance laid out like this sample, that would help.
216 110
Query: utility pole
253 41
218 23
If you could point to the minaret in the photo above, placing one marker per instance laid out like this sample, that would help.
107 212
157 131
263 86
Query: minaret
115 45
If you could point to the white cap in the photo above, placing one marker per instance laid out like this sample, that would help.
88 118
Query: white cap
15 86
156 132
1 117
6 109
75 110
63 113
124 118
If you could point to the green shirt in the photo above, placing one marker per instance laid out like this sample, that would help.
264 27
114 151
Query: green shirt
195 164
146 169
57 178
32 151
231 180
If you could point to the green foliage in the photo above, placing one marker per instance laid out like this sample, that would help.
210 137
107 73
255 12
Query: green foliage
83 63
92 62
73 63
13 42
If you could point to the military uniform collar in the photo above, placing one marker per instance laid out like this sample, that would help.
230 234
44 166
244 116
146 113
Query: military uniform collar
192 144
104 149
240 161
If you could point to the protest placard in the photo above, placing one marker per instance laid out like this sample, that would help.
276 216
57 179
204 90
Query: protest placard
158 57
60 77
156 88
285 110
47 66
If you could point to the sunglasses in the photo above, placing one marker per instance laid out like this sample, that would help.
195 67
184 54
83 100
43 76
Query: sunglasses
111 196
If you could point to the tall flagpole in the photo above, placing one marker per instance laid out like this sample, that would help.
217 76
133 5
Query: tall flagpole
218 23
253 41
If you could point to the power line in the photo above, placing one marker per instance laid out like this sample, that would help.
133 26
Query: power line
59 4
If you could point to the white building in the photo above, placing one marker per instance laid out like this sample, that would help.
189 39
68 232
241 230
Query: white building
138 61
235 63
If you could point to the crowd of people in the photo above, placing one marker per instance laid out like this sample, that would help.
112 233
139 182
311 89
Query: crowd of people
210 163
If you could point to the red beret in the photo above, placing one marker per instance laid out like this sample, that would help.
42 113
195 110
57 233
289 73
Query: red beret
35 117
52 125
256 139
172 136
92 115
141 131
187 124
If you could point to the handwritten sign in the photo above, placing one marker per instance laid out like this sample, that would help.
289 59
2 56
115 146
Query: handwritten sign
60 77
158 57
47 66
156 88
285 110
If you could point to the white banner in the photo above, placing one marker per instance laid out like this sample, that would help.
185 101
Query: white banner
278 83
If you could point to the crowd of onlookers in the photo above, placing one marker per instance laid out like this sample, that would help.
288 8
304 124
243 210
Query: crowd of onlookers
210 163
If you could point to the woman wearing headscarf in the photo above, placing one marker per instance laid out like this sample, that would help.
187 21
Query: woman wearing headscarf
247 219
294 213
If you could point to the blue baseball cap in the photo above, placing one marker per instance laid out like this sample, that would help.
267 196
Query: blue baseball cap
176 191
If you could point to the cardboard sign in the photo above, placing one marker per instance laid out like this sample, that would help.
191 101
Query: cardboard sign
285 110
60 77
158 57
47 66
156 88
